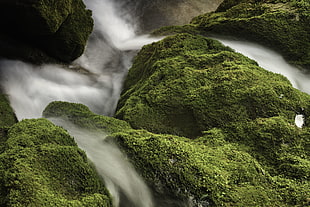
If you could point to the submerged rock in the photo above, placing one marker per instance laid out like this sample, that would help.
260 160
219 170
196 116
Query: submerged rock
59 28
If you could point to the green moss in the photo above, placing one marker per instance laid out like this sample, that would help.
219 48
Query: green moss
69 41
54 12
210 169
81 116
275 143
7 115
281 25
187 84
42 166
258 163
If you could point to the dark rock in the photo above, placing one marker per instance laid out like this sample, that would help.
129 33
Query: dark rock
59 29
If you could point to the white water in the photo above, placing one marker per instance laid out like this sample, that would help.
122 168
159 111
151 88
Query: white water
120 177
106 59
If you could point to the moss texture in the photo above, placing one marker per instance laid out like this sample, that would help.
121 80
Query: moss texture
70 39
223 167
41 165
59 28
280 24
7 115
187 84
212 170
81 116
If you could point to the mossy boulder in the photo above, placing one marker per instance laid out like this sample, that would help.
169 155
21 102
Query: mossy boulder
221 168
41 165
209 169
278 145
59 28
280 24
81 116
188 84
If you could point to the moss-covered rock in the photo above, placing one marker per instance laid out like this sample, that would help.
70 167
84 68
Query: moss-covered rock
81 116
258 163
42 166
280 24
211 170
278 145
187 84
59 28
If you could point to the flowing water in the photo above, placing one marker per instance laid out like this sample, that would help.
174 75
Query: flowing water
101 69
123 182
95 79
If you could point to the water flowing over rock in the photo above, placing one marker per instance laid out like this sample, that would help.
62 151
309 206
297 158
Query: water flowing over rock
203 125
41 165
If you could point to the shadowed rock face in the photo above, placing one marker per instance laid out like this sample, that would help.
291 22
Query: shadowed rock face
58 29
158 13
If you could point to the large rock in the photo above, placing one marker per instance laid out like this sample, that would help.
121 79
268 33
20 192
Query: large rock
215 169
7 115
281 25
41 165
60 28
188 84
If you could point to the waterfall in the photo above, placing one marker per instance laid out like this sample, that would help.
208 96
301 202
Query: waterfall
95 79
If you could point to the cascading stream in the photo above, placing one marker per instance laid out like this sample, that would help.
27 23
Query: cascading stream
123 182
95 79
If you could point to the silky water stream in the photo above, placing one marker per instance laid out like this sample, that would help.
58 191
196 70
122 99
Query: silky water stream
97 84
